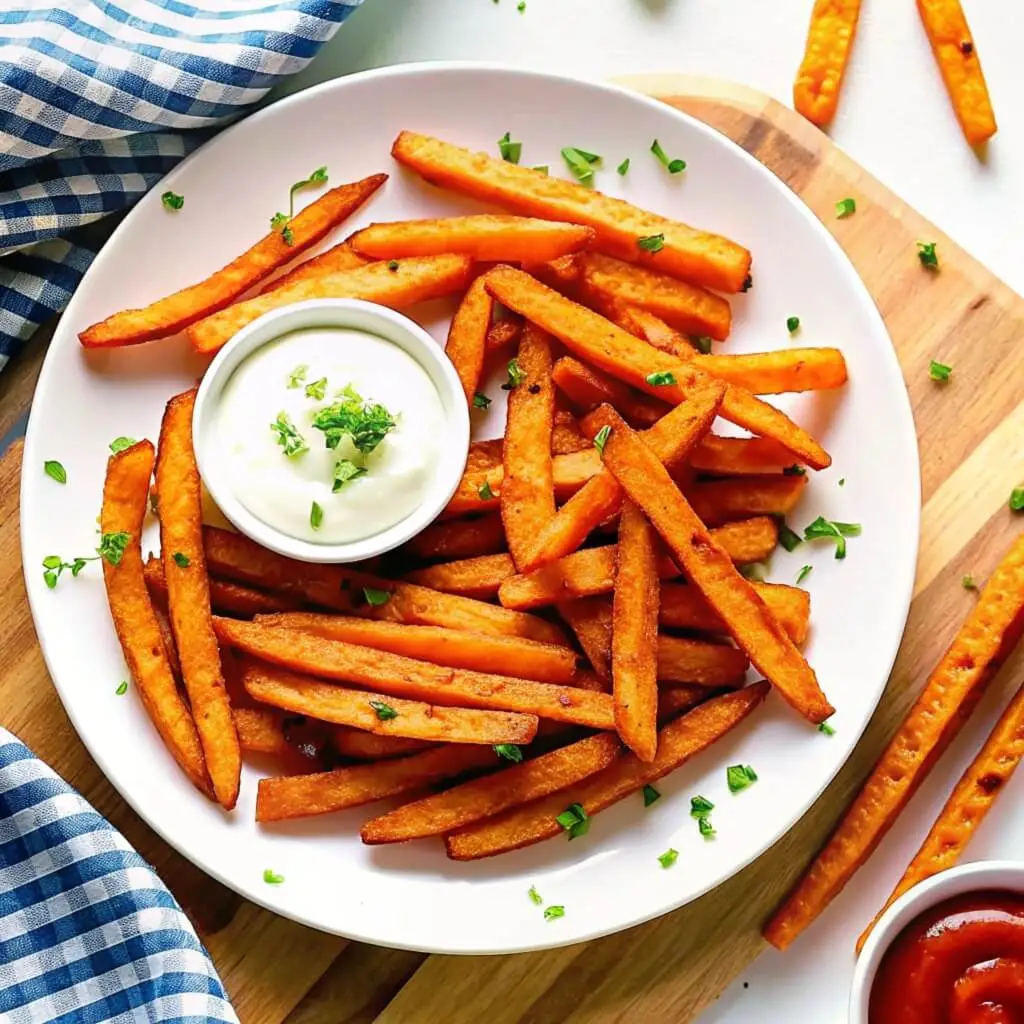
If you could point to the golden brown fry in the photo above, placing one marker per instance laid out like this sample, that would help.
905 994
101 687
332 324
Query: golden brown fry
414 680
635 634
301 796
527 487
588 388
776 373
171 314
739 456
955 53
512 786
953 690
692 255
467 337
709 568
502 333
472 577
260 731
507 655
719 501
411 281
590 618
829 42
566 437
368 746
459 538
678 742
125 500
485 237
339 257
188 598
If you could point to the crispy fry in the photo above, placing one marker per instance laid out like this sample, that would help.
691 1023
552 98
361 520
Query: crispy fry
340 589
301 796
527 659
588 388
709 568
188 598
360 709
590 618
339 257
477 799
679 699
635 635
671 439
467 336
562 274
566 436
414 680
692 255
739 456
501 334
527 487
719 501
829 42
598 341
260 731
412 281
171 314
687 307
368 746
592 571
472 577
125 500
459 538
678 742
953 689
485 237
957 57
683 607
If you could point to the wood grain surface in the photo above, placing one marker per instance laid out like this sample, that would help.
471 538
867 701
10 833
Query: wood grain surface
972 442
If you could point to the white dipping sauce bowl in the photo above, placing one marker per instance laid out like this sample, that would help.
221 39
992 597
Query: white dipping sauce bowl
342 313
983 875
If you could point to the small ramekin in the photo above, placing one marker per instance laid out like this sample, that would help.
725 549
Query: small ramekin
981 875
357 315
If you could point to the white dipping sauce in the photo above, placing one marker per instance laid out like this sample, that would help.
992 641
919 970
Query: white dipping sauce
281 489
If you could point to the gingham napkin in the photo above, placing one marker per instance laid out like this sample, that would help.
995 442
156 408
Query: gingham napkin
88 933
93 94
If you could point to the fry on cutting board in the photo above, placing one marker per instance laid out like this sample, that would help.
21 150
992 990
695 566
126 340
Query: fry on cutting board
169 315
950 695
708 567
687 253
467 337
826 54
957 57
188 598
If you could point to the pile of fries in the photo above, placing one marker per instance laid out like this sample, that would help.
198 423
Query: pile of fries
576 624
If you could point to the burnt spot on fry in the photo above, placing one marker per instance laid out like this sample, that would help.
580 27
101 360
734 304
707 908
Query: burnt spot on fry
534 389
748 283
990 783
967 48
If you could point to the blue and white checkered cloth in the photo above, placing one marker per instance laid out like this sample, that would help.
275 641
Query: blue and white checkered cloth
88 933
93 97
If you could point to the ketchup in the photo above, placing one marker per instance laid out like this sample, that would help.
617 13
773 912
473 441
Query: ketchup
960 962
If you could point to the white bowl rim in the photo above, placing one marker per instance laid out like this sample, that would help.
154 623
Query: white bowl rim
374 319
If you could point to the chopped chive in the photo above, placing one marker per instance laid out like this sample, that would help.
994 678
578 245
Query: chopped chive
845 207
376 597
480 400
662 378
535 897
651 243
668 858
272 878
826 729
788 538
705 828
823 528
927 255
384 712
581 163
122 688
510 151
172 201
793 324
316 516
601 438
574 820
803 574
181 560
739 777
1017 499
623 168
700 807
939 371
651 795
485 492
551 913
509 751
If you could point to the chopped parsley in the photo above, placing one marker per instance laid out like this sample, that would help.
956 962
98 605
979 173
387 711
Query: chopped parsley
119 444
521 6
172 200
181 560
272 878
112 547
510 151
702 343
485 492
651 795
55 471
480 400
826 729
939 371
1017 499
581 163
509 751
316 516
376 597
317 389
535 897
661 379
672 166
623 168
366 423
601 438
824 528
968 582
804 572
794 470
384 712
788 538
793 324
298 376
54 565
288 437
842 481
574 820
739 777
122 688
927 255
282 222
705 828
515 376
846 207
700 806
551 913
668 858
345 470
651 243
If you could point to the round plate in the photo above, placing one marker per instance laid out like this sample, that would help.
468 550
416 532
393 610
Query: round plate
411 895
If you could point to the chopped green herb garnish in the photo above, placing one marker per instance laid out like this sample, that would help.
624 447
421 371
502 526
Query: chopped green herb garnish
54 565
345 470
509 751
794 470
702 343
705 828
939 371
376 597
385 712
793 324
55 471
927 255
968 582
700 806
673 166
803 574
181 560
280 221
112 547
509 150
826 729
601 438
661 379
651 795
515 376
119 444
317 389
480 401
651 243
172 201
316 516
521 6
298 376
574 820
272 878
366 423
288 436
1017 499
845 207
543 168
551 913
842 481
623 168
668 858
535 897
788 538
739 776
756 572
122 688
824 528
581 163
485 492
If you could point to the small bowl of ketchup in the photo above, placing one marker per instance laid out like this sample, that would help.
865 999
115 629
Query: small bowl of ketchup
949 951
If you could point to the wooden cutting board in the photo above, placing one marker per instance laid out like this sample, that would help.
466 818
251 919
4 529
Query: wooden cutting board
971 433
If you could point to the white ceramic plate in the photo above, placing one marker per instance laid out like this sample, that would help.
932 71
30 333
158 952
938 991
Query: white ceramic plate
412 896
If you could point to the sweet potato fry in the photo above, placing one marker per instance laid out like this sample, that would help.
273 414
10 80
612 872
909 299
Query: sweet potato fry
562 274
414 680
459 538
339 257
341 589
687 307
501 334
953 689
171 314
692 255
709 568
970 801
125 500
485 237
635 634
592 571
681 660
566 436
678 742
957 57
301 796
472 577
467 337
507 655
412 281
598 341
363 710
527 487
682 698
588 388
738 456
776 373
368 746
719 501
260 731
829 42
671 439
590 618
481 798
188 598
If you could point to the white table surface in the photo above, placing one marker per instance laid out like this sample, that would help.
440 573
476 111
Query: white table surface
894 119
